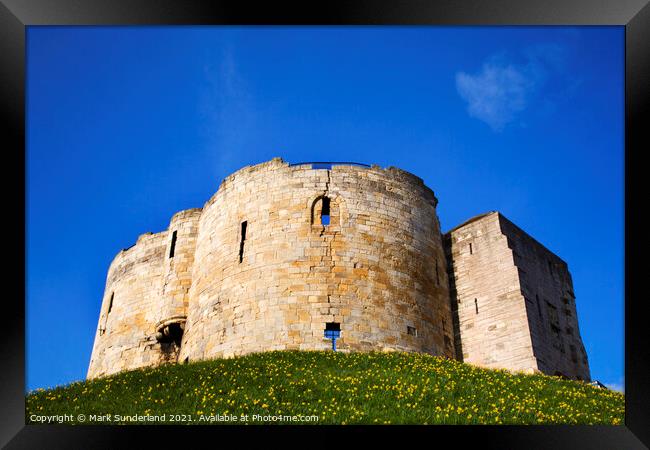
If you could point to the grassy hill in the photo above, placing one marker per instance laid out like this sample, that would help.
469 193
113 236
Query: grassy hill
337 388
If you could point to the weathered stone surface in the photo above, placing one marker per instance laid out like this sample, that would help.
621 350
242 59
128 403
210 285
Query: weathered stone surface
377 268
144 288
513 300
258 269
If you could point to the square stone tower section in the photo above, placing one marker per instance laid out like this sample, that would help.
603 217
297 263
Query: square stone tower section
512 301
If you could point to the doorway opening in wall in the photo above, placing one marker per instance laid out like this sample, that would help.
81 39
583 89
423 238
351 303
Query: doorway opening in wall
171 334
170 337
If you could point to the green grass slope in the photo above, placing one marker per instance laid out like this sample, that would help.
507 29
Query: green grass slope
292 387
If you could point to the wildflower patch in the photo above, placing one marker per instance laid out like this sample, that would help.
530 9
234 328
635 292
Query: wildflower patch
300 387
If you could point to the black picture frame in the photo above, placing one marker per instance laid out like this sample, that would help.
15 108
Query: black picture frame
16 15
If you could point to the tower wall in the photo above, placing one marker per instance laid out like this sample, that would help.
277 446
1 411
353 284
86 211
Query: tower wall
504 287
146 289
130 307
282 250
177 268
372 268
550 303
492 326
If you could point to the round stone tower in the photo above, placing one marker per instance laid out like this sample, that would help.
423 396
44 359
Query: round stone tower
146 299
282 250
277 254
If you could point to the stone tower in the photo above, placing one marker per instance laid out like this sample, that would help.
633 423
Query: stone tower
283 251
512 299
276 254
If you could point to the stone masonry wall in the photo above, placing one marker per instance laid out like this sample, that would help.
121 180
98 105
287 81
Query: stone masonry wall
281 250
492 326
377 268
143 287
501 277
177 267
550 303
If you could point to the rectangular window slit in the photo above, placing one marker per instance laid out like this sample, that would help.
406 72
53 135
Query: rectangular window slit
173 246
476 305
110 303
244 225
470 249
102 328
411 331
333 332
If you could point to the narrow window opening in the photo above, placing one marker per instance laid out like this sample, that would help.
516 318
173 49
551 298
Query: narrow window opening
244 225
332 326
476 305
539 308
102 329
471 251
325 212
412 331
173 246
333 332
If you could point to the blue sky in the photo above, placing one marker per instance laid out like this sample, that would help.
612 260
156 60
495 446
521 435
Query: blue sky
127 125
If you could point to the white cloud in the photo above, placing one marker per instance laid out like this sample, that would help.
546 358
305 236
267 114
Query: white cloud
502 89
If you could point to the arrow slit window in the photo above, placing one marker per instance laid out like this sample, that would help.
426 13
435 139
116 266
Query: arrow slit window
242 240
